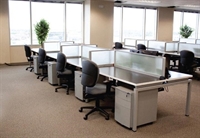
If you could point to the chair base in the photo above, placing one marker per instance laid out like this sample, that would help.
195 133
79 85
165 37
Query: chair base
63 87
31 68
97 107
43 76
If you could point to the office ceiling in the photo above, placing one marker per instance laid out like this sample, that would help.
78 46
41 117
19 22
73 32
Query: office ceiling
179 4
193 5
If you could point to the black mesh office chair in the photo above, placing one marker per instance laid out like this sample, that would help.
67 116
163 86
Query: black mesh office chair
118 45
141 47
29 57
63 73
187 64
90 75
42 64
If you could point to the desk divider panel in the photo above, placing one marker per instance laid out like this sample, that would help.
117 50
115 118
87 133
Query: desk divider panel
195 48
187 40
157 45
197 41
130 42
144 64
171 47
85 50
66 42
144 42
71 51
102 57
51 46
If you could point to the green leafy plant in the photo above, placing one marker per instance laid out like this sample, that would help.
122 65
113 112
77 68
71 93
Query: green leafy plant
42 30
185 31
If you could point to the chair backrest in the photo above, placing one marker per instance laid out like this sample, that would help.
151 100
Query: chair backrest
90 73
134 51
141 47
27 51
186 57
118 45
41 56
61 62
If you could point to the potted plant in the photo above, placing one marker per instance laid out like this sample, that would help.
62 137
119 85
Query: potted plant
42 30
185 31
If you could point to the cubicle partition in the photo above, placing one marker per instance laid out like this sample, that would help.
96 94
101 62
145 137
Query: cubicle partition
144 42
71 50
171 47
52 46
187 40
157 45
195 48
197 41
144 64
102 57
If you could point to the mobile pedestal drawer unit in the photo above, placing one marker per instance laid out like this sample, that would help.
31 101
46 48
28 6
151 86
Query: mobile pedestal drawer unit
147 106
78 86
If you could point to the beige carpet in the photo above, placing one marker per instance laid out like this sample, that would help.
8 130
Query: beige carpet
30 108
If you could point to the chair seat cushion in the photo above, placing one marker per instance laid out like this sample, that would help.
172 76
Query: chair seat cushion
98 89
64 74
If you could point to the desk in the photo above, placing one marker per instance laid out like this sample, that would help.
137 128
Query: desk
140 83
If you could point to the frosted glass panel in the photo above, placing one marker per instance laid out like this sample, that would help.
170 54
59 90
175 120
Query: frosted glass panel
171 47
197 41
71 50
66 42
102 57
195 48
146 64
51 46
145 42
86 50
186 40
156 45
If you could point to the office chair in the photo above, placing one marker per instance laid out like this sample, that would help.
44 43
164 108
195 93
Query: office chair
141 47
63 73
29 57
90 75
42 63
118 45
187 63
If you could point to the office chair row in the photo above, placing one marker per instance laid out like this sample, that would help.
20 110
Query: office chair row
90 75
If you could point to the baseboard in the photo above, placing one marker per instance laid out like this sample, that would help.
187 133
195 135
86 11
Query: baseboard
16 64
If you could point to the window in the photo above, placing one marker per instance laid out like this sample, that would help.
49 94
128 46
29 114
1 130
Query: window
191 20
117 24
19 22
176 25
74 22
53 13
186 18
133 23
136 23
150 28
24 14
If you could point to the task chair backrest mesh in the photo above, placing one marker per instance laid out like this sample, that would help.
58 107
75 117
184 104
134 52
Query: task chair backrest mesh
27 51
90 73
61 62
141 47
186 57
41 56
118 45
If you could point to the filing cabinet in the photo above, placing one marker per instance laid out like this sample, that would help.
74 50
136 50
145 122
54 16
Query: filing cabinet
78 86
52 73
36 65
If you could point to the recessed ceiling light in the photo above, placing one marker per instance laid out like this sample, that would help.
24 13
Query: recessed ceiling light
148 1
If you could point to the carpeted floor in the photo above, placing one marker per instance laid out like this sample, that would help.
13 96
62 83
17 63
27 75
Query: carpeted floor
30 108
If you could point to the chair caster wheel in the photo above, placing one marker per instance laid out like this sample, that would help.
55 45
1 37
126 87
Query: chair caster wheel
38 77
85 118
56 90
80 110
107 118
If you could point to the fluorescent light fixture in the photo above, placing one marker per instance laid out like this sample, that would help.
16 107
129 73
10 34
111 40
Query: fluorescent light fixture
148 1
192 6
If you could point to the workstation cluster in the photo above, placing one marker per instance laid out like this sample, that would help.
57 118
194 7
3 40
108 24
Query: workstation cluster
138 78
